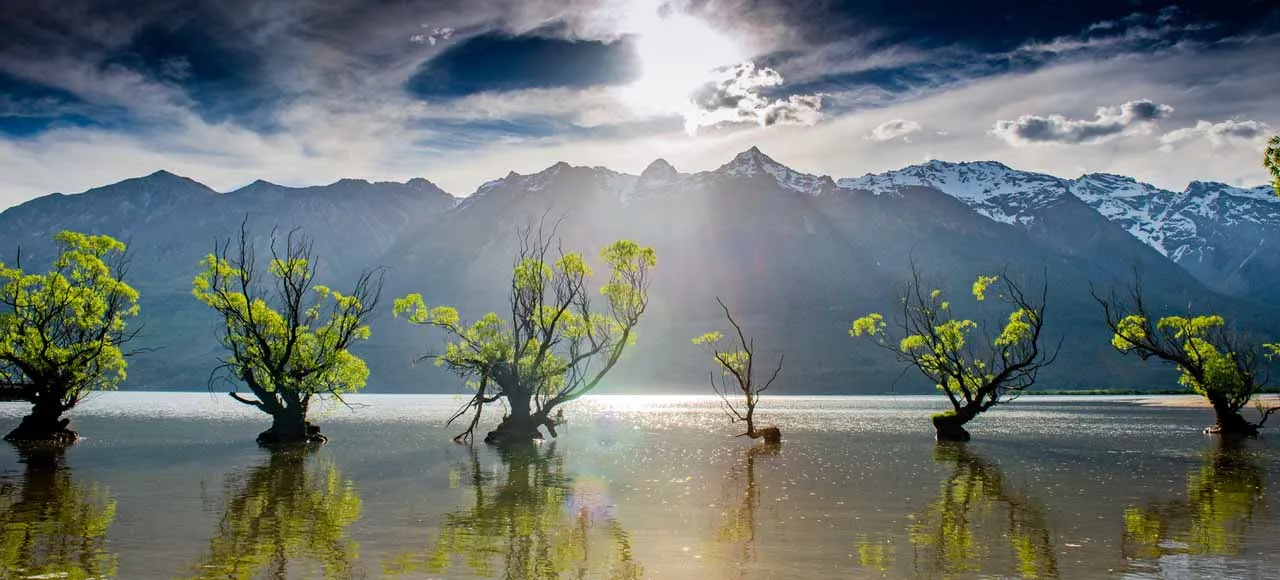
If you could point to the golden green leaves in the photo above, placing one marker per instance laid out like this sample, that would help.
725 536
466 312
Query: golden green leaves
1018 329
1130 332
69 322
708 338
299 345
871 325
980 286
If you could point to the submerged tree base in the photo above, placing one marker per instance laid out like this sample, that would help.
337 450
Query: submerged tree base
950 427
771 435
277 435
511 432
1233 426
43 429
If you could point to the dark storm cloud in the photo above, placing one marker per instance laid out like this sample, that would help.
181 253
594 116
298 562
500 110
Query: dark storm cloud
499 62
1108 123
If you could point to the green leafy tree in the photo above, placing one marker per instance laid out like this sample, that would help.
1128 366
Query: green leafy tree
554 347
1224 495
1214 361
288 340
1271 159
976 510
52 526
974 372
61 331
526 524
737 373
285 515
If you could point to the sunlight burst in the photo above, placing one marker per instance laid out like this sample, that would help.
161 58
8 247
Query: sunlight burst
677 53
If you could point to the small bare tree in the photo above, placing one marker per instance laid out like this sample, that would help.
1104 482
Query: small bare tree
737 373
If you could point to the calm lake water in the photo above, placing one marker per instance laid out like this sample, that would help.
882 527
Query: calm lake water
173 486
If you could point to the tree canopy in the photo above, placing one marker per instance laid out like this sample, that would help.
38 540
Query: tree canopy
974 371
1214 361
288 340
61 331
555 345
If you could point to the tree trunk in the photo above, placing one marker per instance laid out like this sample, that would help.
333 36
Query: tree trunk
950 425
1229 420
519 426
289 426
44 424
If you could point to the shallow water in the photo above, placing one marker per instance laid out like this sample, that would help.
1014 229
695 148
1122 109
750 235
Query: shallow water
172 486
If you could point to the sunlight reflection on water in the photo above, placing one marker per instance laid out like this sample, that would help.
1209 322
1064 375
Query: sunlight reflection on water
651 487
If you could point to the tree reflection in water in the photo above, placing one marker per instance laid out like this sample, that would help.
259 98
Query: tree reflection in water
956 534
50 525
532 524
739 524
293 508
1223 497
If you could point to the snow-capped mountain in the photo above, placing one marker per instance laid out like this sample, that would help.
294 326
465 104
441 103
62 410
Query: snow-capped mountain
799 255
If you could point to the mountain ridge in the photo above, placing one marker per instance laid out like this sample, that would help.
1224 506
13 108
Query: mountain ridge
797 256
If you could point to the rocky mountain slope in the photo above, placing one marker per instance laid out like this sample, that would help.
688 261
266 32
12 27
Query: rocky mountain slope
797 256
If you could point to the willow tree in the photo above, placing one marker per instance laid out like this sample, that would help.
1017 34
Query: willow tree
61 331
1215 362
288 338
974 372
737 373
553 347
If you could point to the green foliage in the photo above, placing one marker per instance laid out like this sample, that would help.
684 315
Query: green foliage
61 331
1271 159
1207 366
528 523
53 527
292 344
284 512
542 353
305 354
942 346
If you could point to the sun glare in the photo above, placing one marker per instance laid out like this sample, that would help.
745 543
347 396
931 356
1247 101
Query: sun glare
676 52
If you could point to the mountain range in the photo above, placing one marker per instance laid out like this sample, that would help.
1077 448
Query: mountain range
797 256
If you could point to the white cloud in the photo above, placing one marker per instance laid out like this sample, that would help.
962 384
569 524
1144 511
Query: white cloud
1217 134
1109 123
890 130
733 95
383 135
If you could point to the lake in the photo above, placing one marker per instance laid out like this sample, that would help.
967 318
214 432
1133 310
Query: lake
173 486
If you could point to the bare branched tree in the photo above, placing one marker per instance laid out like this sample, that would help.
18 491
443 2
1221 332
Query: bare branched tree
737 377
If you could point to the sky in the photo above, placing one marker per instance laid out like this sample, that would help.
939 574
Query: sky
462 92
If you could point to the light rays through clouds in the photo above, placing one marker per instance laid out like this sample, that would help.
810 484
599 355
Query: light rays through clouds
462 91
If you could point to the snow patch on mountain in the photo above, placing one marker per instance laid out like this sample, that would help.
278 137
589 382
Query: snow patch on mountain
990 188
753 162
